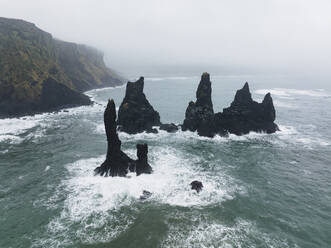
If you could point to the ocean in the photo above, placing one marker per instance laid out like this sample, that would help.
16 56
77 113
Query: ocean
259 190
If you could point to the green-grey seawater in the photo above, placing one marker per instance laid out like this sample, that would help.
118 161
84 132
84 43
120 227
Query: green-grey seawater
259 190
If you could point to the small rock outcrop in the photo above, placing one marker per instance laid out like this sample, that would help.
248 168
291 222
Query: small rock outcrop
117 163
199 115
136 114
142 165
170 128
245 115
196 185
146 194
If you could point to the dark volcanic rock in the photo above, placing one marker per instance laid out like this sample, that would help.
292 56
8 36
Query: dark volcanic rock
136 114
245 115
53 97
196 185
117 163
55 94
199 115
146 194
142 165
170 128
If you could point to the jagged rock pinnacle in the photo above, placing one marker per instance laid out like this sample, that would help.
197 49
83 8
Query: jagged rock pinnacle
136 114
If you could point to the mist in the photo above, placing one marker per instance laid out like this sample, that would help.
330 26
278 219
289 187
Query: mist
155 36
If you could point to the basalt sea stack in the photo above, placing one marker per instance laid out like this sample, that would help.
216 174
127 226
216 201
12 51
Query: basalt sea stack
117 163
244 114
136 114
142 165
199 115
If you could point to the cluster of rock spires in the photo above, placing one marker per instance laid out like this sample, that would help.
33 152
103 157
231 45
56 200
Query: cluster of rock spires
137 115
243 116
117 163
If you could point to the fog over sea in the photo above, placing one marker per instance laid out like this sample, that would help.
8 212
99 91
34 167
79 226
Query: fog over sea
259 190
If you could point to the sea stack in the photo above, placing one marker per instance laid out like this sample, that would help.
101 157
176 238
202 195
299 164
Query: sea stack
199 115
136 114
142 165
117 163
245 115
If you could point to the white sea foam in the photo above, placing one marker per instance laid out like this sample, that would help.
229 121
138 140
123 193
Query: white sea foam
282 104
94 201
169 78
207 234
169 184
283 92
16 125
291 135
91 92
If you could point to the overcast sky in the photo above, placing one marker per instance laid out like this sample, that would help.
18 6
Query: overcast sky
283 34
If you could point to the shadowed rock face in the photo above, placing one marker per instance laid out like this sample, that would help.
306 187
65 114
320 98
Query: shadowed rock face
136 114
142 165
244 114
199 115
117 163
170 128
197 186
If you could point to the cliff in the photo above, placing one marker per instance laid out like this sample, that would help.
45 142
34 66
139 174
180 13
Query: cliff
39 73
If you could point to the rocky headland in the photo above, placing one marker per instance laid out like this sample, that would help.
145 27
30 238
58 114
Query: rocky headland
40 74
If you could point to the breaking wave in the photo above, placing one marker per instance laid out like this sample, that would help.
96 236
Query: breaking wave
283 92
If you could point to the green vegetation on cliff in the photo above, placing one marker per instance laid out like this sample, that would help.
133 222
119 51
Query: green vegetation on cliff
29 57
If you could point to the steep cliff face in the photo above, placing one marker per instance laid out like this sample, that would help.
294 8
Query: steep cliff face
85 66
30 57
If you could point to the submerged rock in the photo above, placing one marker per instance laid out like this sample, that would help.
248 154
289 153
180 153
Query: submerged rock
170 128
199 115
117 163
136 114
245 115
196 185
146 194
